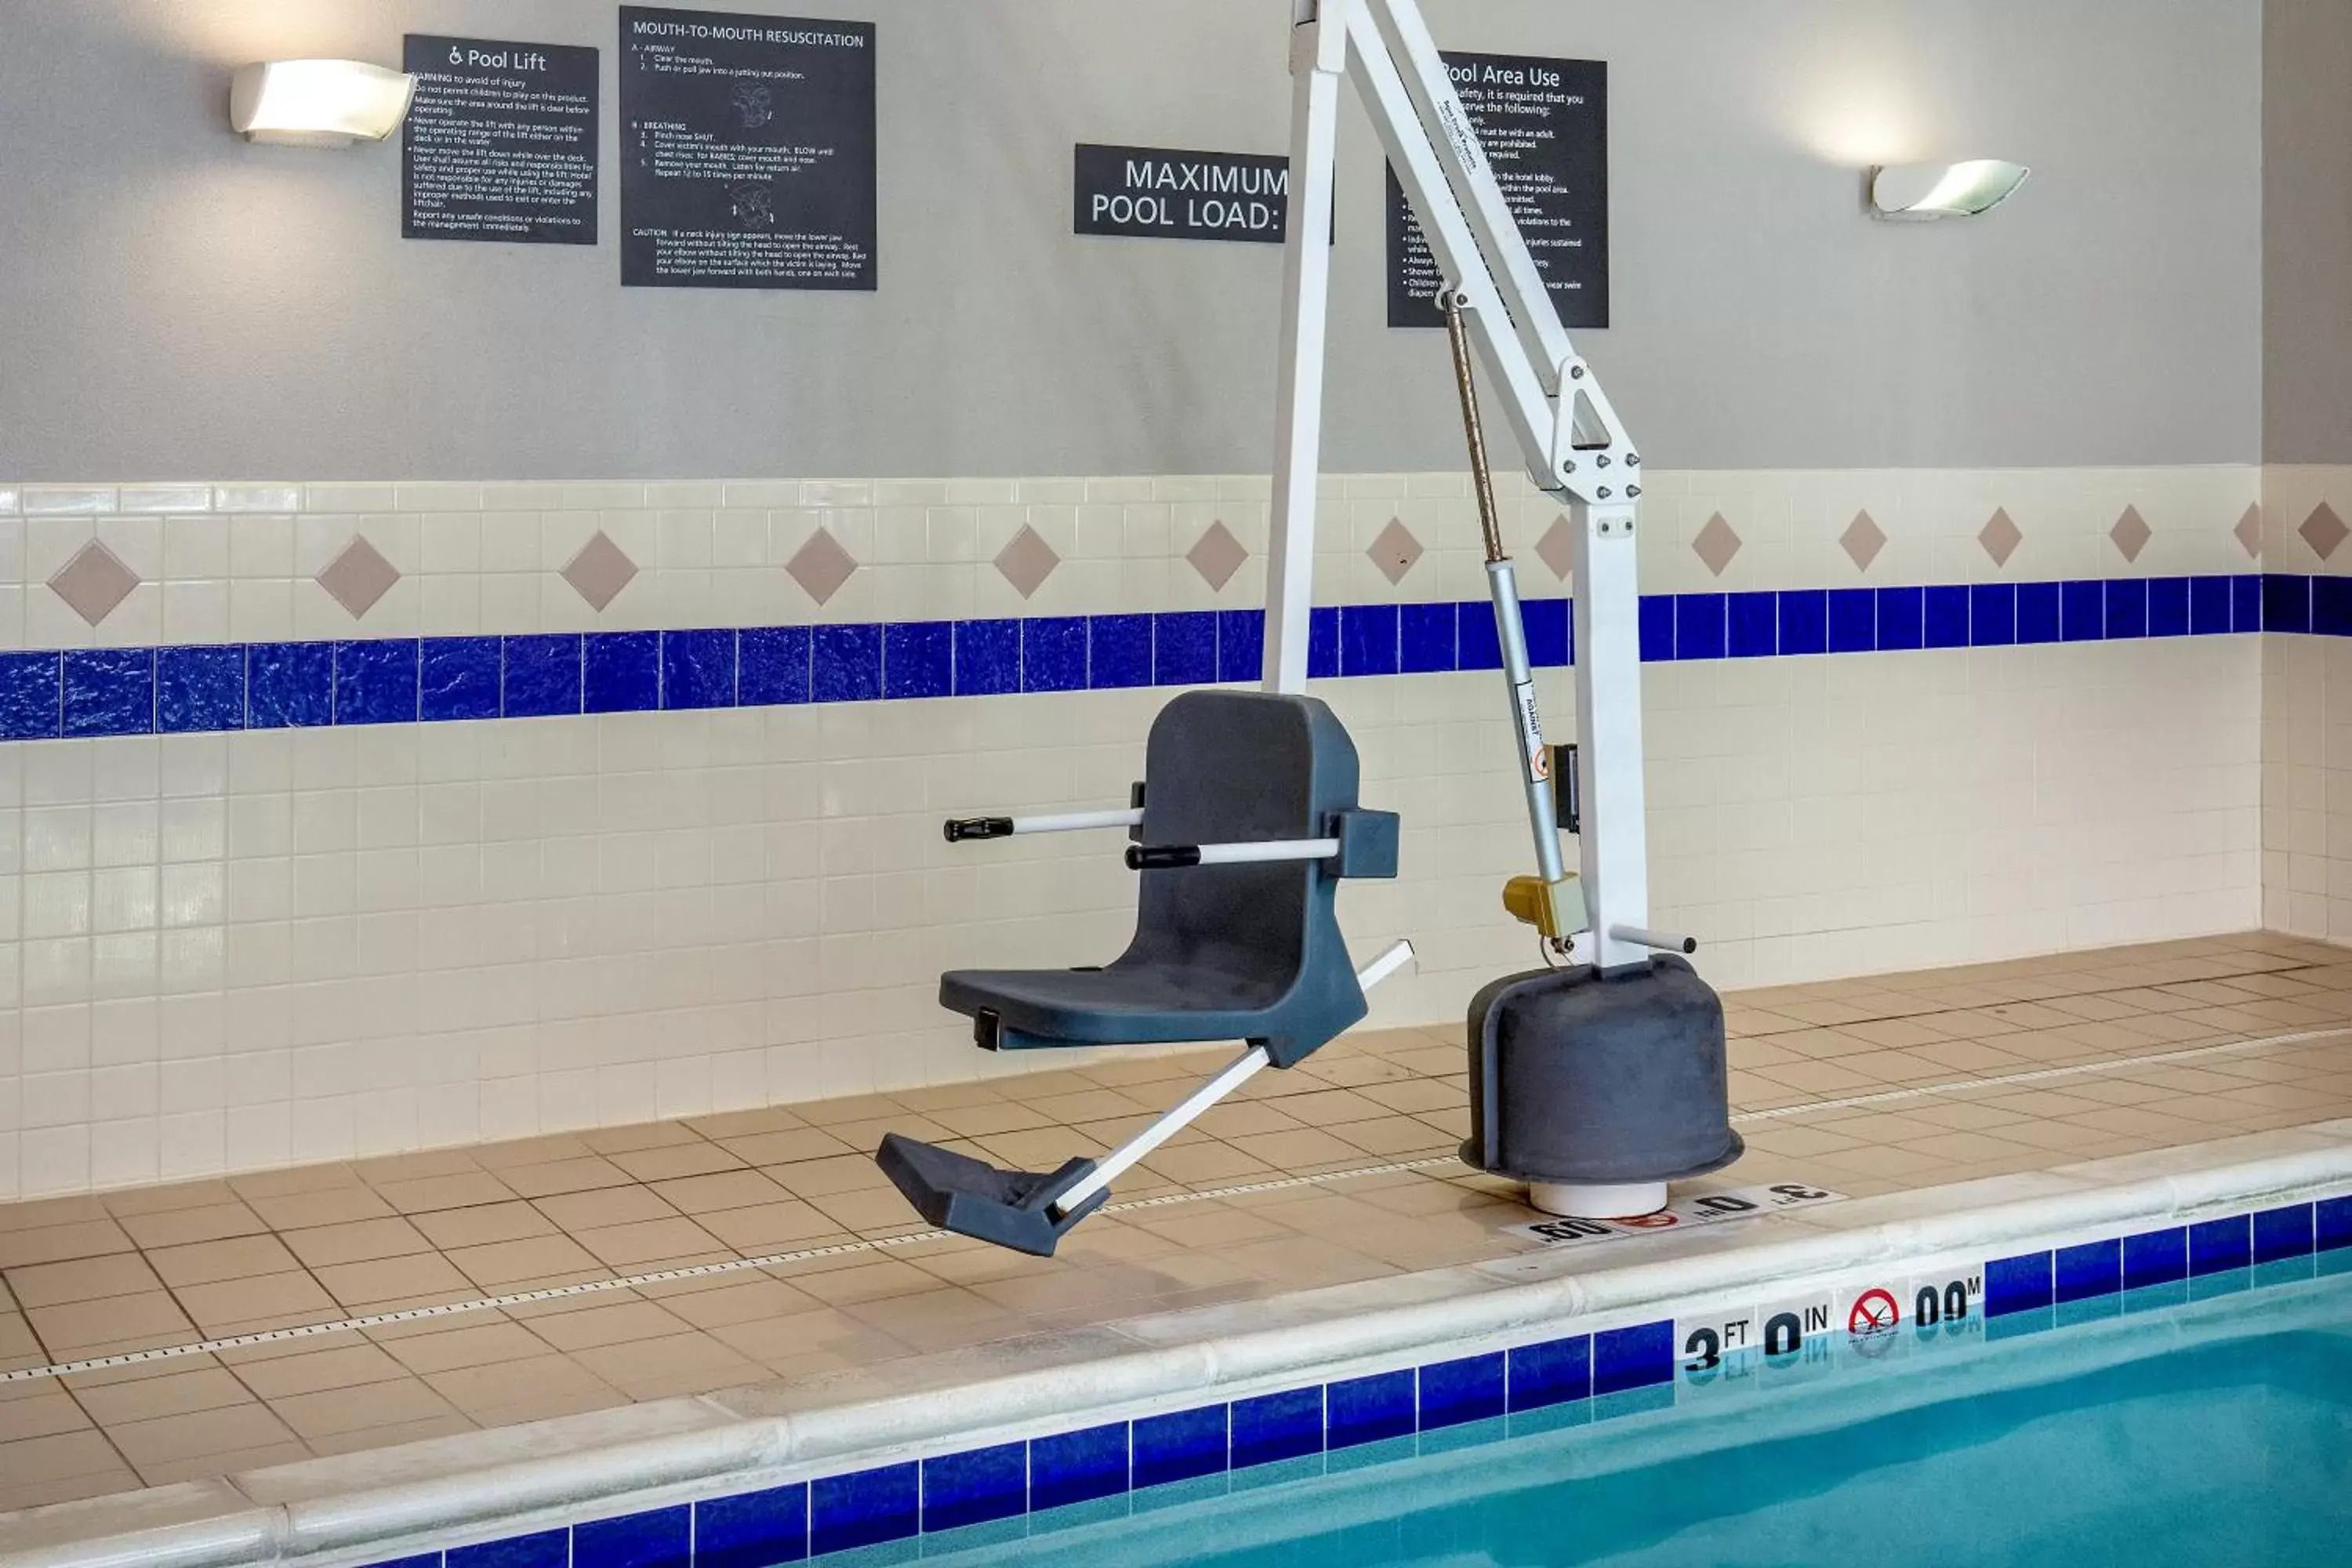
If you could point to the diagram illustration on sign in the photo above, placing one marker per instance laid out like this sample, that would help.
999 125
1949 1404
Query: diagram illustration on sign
747 151
1544 126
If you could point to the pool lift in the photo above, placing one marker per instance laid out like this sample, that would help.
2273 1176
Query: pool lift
1595 1081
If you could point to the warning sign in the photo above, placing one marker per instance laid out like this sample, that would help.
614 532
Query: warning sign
1874 1312
1706 1208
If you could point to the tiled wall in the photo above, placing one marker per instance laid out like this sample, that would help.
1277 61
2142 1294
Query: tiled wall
338 907
2307 708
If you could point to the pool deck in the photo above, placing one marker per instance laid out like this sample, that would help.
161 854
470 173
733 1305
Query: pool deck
813 1275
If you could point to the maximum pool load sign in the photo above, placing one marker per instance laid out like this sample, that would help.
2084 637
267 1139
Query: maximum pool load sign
1155 193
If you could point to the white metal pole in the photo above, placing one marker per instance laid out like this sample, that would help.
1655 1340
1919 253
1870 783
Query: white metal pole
1237 1072
1615 841
1317 58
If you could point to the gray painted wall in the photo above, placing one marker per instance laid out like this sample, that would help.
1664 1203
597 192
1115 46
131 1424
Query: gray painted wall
2307 231
174 302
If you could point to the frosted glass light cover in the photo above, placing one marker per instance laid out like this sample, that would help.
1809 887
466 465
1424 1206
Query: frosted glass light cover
319 103
1921 191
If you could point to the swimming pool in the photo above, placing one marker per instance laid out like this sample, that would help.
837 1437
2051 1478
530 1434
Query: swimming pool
2230 1443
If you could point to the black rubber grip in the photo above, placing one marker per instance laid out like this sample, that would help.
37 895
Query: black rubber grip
959 829
1161 856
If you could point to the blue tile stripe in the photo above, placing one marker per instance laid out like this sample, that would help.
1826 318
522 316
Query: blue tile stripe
950 1492
84 692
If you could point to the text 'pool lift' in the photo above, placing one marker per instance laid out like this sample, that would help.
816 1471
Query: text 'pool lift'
1597 1082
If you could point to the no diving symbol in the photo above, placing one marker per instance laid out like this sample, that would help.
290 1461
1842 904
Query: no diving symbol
1874 1312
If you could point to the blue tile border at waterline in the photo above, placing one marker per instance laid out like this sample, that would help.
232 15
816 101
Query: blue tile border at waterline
213 688
1392 1415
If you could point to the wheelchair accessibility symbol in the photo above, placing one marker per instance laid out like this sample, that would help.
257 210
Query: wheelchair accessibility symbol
1874 1312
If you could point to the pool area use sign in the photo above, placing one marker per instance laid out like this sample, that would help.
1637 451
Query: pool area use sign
1151 192
747 151
1544 125
500 142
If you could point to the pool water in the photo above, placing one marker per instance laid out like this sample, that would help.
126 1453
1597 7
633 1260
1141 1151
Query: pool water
2231 1445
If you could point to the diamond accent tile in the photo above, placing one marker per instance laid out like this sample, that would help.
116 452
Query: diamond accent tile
1716 545
2250 532
1025 562
1396 552
94 582
1863 540
359 577
2000 537
2131 533
2323 531
599 571
1556 548
1218 555
821 566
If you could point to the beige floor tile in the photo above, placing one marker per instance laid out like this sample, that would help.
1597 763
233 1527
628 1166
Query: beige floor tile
986 1120
1394 1137
542 1151
157 1200
296 1178
317 1371
818 1178
330 1412
338 1205
558 1177
721 1190
484 1343
643 1135
668 1164
422 1276
605 1206
1204 1163
618 1322
1297 1151
57 1457
785 1147
502 1264
44 1214
550 1404
863 1279
170 1472
23 1247
367 1439
209 1262
745 1124
82 1279
648 1242
750 1301
178 1228
150 1319
173 1438
15 1495
151 1399
236 1306
46 1412
689 1362
361 1241
771 1227
426 1194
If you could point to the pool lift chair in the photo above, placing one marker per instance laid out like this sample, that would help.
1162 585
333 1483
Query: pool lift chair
1595 1079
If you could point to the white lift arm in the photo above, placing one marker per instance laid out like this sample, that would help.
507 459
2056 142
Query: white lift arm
1576 448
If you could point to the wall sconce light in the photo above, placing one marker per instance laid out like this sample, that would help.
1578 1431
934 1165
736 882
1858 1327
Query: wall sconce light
1920 192
319 103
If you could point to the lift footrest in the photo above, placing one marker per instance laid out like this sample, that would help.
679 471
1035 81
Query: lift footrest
972 1197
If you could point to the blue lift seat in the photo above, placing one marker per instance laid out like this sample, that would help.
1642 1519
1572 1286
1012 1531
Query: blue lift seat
1249 951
